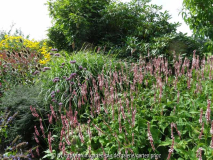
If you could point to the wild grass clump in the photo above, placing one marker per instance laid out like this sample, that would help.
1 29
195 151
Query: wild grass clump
67 73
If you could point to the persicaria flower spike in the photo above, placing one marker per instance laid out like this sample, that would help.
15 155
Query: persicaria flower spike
37 151
199 153
36 138
150 137
171 150
36 131
50 118
53 112
80 133
211 131
49 141
201 115
34 113
201 132
42 128
208 111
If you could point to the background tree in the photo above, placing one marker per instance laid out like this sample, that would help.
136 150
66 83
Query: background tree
106 22
198 14
75 22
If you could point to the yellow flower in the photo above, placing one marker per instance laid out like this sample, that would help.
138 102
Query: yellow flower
42 61
13 43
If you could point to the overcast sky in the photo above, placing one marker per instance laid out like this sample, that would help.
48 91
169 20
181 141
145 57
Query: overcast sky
31 16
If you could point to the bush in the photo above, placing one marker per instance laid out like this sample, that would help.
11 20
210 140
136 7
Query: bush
19 99
106 23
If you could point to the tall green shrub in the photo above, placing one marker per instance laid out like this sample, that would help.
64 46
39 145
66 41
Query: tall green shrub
107 23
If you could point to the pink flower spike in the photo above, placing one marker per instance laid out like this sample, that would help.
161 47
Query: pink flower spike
211 131
37 141
37 151
42 128
49 141
36 131
201 115
211 143
32 153
208 111
80 133
201 132
50 118
53 112
199 153
150 137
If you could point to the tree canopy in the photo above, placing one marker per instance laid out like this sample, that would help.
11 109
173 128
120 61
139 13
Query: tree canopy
198 14
107 23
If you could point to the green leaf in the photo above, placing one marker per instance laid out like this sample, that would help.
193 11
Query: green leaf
165 143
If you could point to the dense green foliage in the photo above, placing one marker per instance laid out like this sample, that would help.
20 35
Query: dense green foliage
198 14
18 100
107 23
76 22
149 97
125 104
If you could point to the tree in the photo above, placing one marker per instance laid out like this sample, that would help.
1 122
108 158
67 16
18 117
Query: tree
198 14
107 23
75 21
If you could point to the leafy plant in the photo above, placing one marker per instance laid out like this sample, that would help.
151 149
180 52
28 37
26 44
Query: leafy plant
140 108
18 99
198 15
106 23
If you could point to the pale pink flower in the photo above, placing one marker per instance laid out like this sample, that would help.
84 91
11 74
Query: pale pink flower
199 153
208 111
201 115
201 132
